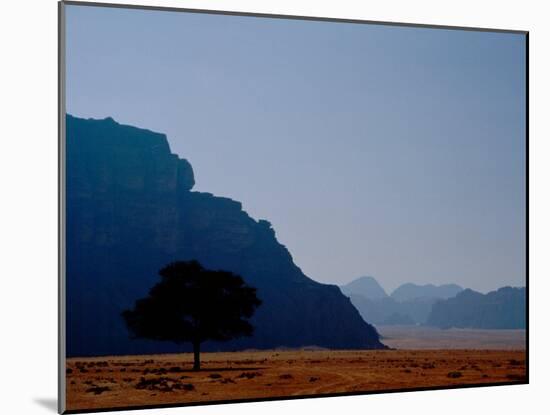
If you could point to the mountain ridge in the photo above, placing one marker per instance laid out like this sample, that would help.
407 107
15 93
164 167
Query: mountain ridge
412 291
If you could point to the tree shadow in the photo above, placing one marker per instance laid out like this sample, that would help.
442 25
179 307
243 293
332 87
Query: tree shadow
48 403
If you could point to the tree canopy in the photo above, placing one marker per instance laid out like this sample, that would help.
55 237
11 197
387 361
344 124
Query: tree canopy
193 304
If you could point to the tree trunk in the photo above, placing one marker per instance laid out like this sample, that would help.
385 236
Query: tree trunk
196 355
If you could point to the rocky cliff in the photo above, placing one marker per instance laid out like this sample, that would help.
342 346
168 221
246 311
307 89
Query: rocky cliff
130 210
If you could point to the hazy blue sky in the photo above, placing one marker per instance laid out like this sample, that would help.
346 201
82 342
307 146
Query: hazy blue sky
373 150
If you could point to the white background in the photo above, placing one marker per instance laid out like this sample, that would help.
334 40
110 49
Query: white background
28 204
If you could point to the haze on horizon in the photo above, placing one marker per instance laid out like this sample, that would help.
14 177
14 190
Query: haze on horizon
388 151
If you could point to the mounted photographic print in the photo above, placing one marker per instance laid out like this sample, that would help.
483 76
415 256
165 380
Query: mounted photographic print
258 207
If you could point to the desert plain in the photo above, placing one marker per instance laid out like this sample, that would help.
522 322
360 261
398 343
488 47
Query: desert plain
128 381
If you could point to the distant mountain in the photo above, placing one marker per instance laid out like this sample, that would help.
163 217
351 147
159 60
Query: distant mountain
367 287
397 319
131 210
375 311
411 291
501 309
410 303
418 309
382 310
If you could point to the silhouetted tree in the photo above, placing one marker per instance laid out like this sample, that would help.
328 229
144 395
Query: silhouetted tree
193 304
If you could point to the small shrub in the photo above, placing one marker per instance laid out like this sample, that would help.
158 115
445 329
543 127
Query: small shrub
159 371
98 390
227 380
156 384
249 375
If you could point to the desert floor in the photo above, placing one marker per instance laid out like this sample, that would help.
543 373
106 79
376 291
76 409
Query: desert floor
419 337
119 381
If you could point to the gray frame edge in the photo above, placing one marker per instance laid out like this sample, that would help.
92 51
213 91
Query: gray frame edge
288 16
61 346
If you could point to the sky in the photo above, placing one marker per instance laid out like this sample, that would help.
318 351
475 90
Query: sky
390 151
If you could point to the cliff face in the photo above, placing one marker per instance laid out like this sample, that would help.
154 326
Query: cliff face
130 210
